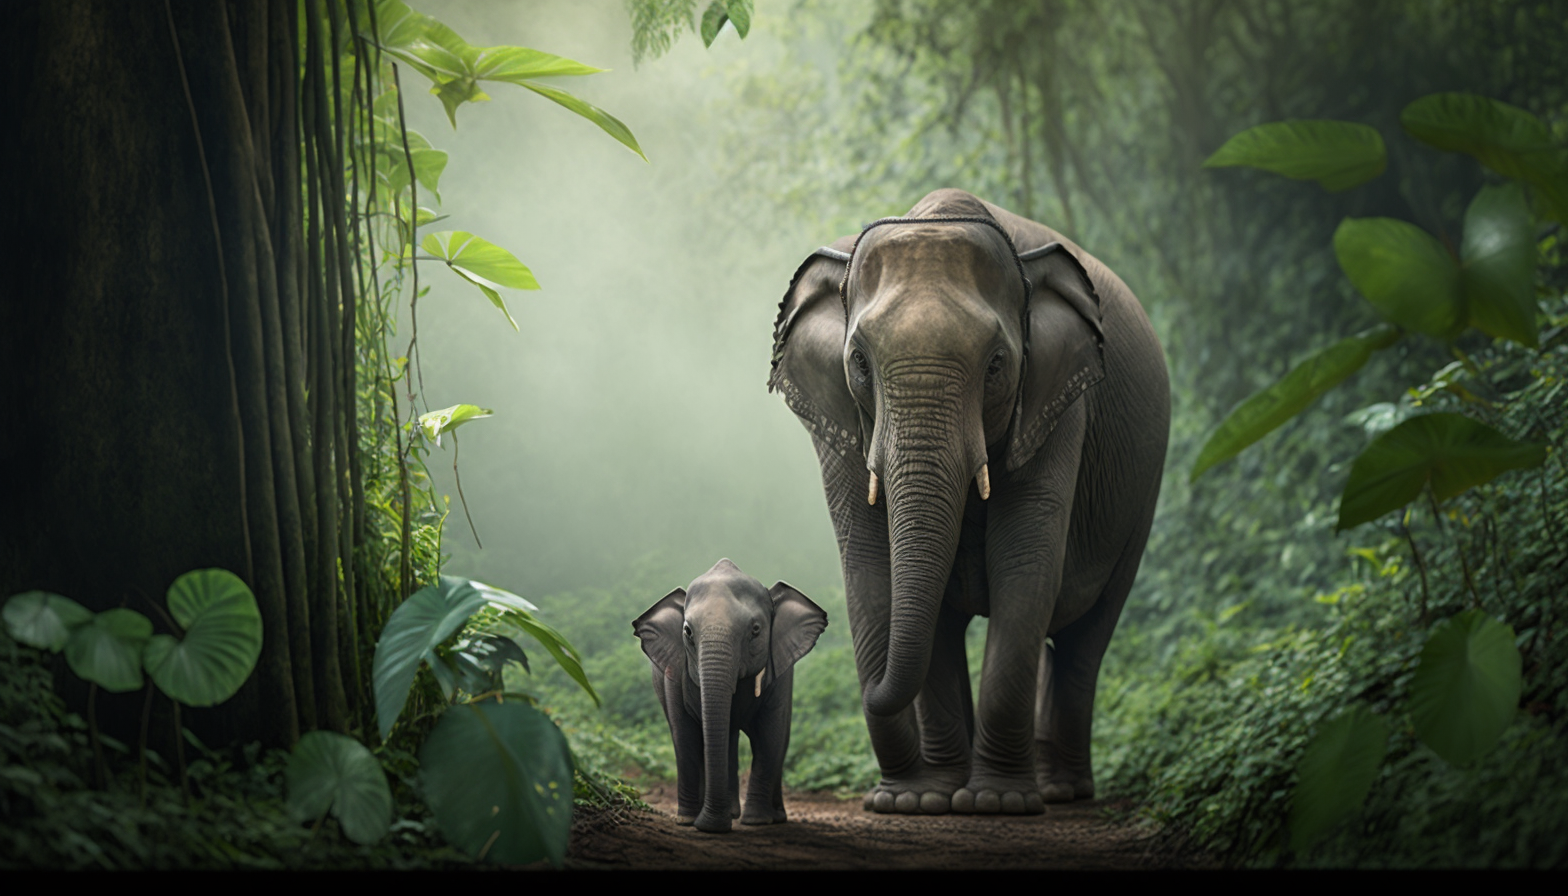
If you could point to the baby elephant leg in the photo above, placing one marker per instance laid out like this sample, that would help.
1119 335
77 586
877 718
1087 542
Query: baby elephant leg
686 734
769 734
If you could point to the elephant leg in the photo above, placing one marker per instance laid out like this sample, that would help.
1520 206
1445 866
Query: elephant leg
1026 542
1069 673
945 710
686 735
769 734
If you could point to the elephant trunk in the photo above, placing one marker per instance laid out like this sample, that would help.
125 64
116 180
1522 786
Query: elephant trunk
930 452
716 677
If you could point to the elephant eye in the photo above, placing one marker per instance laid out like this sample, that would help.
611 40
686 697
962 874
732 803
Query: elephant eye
860 362
686 627
756 629
994 369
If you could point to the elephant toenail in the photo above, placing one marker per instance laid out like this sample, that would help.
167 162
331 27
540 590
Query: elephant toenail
934 804
884 802
963 800
907 802
1033 804
869 803
1013 803
988 802
1057 793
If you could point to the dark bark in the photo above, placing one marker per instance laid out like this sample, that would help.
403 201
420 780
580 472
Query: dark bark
154 334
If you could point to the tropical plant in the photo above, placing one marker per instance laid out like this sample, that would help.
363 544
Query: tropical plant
1466 687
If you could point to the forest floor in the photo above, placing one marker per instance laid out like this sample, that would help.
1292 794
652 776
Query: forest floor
829 833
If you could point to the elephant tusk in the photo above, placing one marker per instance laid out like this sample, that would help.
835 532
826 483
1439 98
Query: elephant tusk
984 481
756 690
871 496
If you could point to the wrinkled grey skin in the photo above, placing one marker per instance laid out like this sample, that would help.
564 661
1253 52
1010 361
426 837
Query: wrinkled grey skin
924 385
708 645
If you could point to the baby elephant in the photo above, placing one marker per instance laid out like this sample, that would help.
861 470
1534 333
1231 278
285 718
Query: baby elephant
723 653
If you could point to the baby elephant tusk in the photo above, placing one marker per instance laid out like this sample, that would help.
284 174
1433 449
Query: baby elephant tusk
756 690
984 481
871 496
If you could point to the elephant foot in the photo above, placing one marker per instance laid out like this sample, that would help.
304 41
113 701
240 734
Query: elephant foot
998 795
928 792
763 815
685 820
713 822
1060 779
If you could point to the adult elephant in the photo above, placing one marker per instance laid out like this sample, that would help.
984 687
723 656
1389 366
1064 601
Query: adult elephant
915 354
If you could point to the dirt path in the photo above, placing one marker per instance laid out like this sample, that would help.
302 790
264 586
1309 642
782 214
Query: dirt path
824 832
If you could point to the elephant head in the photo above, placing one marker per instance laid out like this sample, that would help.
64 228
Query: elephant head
945 356
731 638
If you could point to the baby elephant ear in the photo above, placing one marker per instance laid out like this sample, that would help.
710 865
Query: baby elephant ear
796 624
660 630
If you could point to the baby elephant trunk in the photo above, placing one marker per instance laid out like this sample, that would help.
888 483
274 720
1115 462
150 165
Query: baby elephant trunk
717 676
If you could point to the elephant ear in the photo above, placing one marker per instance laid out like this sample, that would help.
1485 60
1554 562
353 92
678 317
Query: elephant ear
797 622
1066 347
808 351
660 630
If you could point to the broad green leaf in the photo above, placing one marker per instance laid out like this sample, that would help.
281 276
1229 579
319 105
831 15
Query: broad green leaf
564 653
1466 689
429 163
333 772
475 664
740 16
1337 154
447 419
1262 413
1497 274
1335 773
1505 138
1404 272
713 18
427 618
607 122
1451 451
222 639
517 64
108 650
42 619
498 778
505 600
481 263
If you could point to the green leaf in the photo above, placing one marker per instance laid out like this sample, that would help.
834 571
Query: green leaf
514 65
1337 154
1335 773
333 772
427 618
1404 272
712 20
607 122
1450 451
429 164
108 650
1466 689
1262 413
42 619
475 664
740 16
498 779
520 613
1505 138
481 263
222 639
1497 274
447 419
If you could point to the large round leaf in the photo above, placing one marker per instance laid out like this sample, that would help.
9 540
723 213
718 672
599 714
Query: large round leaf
1451 451
222 639
1404 272
1497 276
1466 689
108 650
1505 138
1337 154
499 780
44 620
330 771
427 618
1335 773
1259 415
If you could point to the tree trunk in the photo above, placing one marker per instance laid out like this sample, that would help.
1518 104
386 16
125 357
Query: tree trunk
154 330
